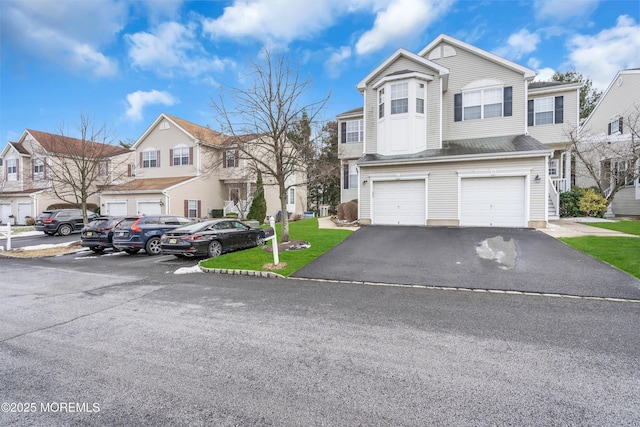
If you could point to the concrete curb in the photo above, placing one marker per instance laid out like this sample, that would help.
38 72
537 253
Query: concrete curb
250 273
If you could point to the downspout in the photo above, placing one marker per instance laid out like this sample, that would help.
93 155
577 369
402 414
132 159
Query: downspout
167 201
34 204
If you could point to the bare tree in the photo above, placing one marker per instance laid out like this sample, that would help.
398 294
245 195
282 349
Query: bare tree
79 168
260 118
610 162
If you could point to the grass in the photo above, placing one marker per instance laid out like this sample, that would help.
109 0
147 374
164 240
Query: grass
629 227
256 259
620 252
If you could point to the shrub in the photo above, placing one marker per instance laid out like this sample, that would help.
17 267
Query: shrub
29 220
569 202
217 213
348 211
231 215
258 210
593 204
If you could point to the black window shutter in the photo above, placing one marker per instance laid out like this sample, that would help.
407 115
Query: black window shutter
345 176
559 109
620 125
457 107
508 101
609 129
343 131
530 112
236 160
224 159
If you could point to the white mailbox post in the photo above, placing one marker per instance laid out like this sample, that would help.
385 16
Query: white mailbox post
6 230
274 241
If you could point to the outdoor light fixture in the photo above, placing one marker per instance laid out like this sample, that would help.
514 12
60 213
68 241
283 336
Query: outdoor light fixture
537 178
161 203
364 182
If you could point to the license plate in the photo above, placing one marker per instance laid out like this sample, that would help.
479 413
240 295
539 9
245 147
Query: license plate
89 233
172 241
121 233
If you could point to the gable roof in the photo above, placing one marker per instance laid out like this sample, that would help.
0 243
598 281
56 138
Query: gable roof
439 69
528 73
359 111
17 147
196 132
60 144
619 74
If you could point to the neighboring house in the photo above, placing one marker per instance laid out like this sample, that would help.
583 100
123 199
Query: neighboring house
608 127
185 169
457 136
26 171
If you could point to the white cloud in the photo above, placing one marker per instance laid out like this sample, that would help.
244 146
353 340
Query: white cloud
399 20
544 74
172 48
519 44
602 55
68 33
558 11
333 65
138 100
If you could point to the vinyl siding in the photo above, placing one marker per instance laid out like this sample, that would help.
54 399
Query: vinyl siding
164 141
619 100
557 133
625 203
465 68
442 181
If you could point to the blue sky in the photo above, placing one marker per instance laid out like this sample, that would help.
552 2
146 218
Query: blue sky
124 62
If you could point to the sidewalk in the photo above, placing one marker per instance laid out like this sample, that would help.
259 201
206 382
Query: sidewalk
571 227
325 222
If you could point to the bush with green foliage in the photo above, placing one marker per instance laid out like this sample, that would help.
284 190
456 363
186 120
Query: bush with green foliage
231 215
258 209
569 202
217 213
593 204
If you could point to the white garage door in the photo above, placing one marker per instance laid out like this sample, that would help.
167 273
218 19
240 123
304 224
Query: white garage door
24 210
493 202
5 211
149 208
116 208
399 202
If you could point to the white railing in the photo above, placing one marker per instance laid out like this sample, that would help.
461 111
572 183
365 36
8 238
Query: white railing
232 207
554 197
560 184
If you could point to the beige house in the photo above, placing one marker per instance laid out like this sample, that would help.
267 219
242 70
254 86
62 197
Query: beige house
29 166
455 135
181 168
606 136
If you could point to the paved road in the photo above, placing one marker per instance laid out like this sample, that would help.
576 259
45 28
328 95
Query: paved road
149 347
477 258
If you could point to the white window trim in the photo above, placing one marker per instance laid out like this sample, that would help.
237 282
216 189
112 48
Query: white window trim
482 103
12 176
149 156
536 111
180 149
359 131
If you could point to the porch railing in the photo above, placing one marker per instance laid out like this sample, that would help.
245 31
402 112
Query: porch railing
554 197
231 207
560 184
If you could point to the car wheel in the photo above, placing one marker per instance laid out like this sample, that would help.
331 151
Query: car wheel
65 230
214 249
153 246
131 251
98 249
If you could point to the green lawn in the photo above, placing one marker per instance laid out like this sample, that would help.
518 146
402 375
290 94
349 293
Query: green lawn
629 227
620 252
254 259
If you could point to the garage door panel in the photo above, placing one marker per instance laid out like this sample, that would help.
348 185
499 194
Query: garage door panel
493 202
149 208
116 208
399 202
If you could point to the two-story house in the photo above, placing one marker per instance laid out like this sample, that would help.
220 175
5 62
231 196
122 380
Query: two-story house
613 127
32 166
455 135
182 168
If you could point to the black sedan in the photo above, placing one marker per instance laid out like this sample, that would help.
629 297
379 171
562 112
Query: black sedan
98 234
210 238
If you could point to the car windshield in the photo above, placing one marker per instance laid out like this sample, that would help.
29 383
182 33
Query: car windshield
100 223
126 223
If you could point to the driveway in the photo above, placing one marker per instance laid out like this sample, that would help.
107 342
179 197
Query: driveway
478 258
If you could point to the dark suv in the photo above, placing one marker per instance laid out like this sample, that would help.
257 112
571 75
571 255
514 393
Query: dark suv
61 221
144 232
98 235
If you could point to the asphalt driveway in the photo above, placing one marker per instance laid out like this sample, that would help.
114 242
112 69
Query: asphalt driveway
478 258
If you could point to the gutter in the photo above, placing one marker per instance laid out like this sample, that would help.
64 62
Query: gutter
467 158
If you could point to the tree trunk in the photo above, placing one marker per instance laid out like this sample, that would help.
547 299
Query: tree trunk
284 216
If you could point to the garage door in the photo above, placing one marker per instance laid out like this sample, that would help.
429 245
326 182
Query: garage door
24 210
399 202
492 202
149 208
5 211
116 208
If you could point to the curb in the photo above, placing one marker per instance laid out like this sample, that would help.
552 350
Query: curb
250 273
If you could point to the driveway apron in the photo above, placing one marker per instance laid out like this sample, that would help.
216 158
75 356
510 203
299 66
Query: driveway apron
478 258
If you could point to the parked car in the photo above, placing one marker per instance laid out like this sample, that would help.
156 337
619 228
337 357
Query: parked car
144 232
210 238
62 221
98 235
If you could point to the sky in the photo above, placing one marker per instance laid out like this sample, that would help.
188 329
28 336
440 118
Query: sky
122 62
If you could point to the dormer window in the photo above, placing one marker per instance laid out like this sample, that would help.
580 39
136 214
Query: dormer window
399 98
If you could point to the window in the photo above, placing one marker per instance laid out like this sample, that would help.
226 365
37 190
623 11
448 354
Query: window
354 131
192 210
180 156
231 159
150 159
545 111
623 170
615 126
164 125
234 194
482 104
349 176
103 168
291 199
381 103
420 99
553 167
399 98
12 169
38 168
